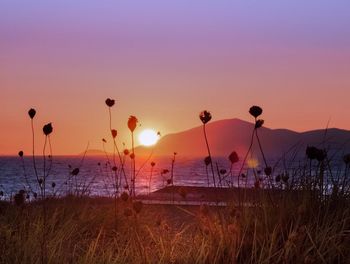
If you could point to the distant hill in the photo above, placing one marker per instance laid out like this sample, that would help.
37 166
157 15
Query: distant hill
234 134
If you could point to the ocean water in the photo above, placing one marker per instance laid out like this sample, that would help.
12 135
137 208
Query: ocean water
96 178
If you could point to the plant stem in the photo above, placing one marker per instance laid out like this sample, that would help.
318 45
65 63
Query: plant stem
208 148
133 163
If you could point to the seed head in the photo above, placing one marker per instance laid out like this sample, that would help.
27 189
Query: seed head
259 123
255 111
268 171
233 157
132 123
47 129
31 113
75 172
205 116
207 161
114 133
110 102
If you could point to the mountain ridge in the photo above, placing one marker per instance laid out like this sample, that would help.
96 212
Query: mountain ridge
234 134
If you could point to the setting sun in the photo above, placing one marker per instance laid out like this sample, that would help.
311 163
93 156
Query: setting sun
148 137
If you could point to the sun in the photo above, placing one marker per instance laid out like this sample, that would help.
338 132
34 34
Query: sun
148 137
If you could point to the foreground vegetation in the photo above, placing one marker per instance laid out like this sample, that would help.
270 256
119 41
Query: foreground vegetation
307 222
83 230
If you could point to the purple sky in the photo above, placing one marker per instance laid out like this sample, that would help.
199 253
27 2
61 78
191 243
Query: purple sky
165 61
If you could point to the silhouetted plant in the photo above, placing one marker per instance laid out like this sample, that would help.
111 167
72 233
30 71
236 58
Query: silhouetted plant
150 176
172 168
32 114
314 153
21 155
117 177
346 159
233 158
110 102
162 173
205 116
255 111
132 123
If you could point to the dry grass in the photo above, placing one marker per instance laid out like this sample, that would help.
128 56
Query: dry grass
81 230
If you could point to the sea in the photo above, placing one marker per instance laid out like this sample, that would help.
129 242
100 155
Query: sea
96 176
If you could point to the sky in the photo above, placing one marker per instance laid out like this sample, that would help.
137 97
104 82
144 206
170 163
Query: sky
164 62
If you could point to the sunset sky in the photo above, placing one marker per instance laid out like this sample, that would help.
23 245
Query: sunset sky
165 61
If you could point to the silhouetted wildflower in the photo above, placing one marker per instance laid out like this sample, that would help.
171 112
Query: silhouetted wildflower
132 123
40 181
1 193
75 172
53 185
268 171
35 195
311 152
169 181
233 157
47 129
20 153
205 116
31 113
153 164
223 171
315 153
132 156
321 155
259 123
104 140
255 111
207 161
278 178
126 152
114 168
114 133
165 171
285 177
110 102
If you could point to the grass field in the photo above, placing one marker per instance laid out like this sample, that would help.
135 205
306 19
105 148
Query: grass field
85 230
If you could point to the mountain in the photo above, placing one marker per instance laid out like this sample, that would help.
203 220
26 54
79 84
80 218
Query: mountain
229 135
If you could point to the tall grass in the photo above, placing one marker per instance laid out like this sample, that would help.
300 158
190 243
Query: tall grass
80 230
